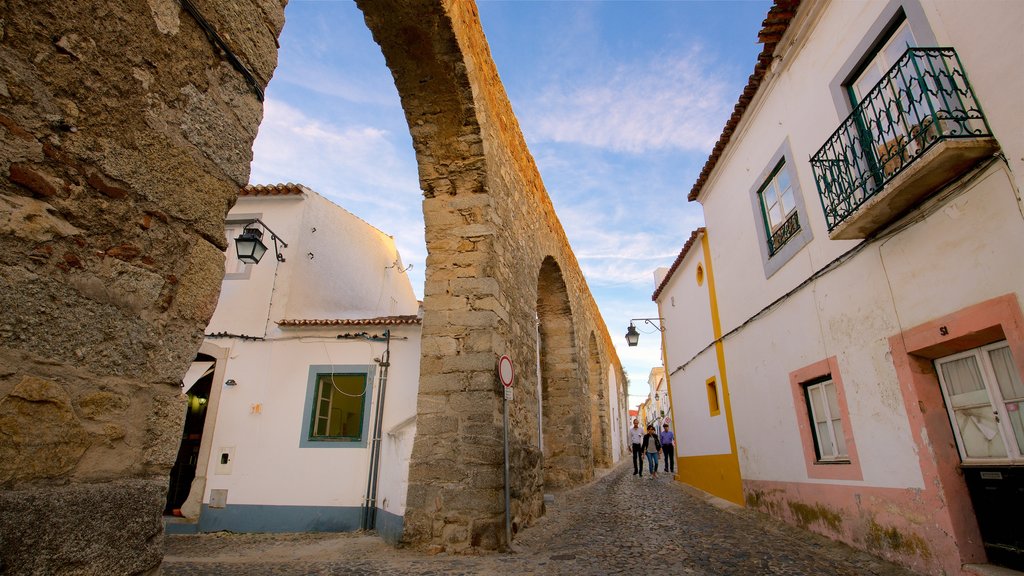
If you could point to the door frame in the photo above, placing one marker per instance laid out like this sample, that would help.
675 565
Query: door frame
913 353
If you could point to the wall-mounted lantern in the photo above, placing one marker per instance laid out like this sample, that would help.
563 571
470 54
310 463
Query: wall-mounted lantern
249 245
633 336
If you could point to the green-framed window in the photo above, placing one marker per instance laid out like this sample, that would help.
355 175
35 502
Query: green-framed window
337 407
778 207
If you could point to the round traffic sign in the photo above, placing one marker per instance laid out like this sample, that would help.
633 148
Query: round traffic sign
505 371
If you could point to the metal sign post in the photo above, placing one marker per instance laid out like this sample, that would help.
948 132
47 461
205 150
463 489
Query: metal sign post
506 373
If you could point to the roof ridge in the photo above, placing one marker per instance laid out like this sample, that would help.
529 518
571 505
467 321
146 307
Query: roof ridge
678 261
773 28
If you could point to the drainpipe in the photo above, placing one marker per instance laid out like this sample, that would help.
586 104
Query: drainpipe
370 503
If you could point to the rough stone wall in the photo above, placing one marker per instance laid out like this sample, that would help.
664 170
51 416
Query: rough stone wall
490 228
124 136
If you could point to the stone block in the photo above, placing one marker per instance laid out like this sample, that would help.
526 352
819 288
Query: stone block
43 437
99 529
475 287
474 318
470 362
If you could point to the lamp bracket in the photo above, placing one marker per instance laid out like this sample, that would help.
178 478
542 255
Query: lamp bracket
277 239
650 321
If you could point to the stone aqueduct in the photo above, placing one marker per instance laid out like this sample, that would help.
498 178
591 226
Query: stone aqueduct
125 133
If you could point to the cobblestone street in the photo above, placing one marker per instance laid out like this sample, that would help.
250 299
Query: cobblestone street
619 524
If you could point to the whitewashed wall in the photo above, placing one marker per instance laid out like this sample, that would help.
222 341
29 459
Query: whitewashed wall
686 307
260 421
940 265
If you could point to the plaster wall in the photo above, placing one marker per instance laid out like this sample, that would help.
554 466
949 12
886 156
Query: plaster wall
698 432
256 287
956 250
686 307
987 39
261 418
347 277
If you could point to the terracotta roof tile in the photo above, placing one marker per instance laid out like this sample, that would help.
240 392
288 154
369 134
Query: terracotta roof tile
380 321
772 28
288 189
679 260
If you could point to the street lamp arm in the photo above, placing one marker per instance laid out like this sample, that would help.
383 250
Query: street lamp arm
273 236
633 336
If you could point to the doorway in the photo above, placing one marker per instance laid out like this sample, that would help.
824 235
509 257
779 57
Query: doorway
984 398
196 386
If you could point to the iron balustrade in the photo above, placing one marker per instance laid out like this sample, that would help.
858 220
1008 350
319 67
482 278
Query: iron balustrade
923 99
783 233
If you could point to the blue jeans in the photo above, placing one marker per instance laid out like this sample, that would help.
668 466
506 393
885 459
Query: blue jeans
652 462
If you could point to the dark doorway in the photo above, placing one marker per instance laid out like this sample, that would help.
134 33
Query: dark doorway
184 470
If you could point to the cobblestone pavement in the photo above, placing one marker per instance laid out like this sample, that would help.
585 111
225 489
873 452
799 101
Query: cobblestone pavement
619 524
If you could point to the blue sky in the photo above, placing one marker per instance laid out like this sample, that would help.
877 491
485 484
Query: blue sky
620 103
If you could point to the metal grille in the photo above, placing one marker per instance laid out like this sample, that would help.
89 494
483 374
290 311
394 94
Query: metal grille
783 233
924 98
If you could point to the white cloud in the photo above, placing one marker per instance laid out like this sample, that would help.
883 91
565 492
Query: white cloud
672 103
362 168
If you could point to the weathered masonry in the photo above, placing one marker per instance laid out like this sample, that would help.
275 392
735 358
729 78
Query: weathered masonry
125 132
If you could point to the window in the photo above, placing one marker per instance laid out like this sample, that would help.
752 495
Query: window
339 407
826 421
337 410
823 421
888 116
884 58
713 406
984 397
778 208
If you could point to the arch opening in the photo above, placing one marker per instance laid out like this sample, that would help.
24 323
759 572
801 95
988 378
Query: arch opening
565 404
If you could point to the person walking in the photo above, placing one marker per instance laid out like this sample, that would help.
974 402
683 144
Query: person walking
668 448
636 437
651 446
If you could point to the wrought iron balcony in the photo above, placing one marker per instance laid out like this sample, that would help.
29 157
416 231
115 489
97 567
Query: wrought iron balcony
916 130
783 233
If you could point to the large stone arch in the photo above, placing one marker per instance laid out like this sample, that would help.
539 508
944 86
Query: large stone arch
490 227
600 417
123 142
565 403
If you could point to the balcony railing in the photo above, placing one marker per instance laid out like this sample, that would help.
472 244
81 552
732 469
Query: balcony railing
924 99
783 233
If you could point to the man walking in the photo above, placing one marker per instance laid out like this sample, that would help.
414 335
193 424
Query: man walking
668 446
636 437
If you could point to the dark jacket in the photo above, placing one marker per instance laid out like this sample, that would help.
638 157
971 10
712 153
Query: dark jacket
651 436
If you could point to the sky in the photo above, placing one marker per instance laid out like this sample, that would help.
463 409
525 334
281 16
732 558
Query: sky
620 103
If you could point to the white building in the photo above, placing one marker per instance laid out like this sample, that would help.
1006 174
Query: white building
845 337
660 411
303 396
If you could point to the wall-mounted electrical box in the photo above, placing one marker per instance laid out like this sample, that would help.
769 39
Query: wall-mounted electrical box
225 460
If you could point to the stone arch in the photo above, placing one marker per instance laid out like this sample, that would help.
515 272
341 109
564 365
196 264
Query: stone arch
600 432
118 220
565 412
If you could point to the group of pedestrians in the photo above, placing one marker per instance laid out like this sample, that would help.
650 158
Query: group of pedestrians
649 444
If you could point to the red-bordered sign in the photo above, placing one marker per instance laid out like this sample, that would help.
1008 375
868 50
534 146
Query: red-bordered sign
505 371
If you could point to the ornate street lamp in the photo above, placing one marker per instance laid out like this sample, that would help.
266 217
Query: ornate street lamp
633 336
249 245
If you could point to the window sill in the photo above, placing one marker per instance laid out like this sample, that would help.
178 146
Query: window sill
831 462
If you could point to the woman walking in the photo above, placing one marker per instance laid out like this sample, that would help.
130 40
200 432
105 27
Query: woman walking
651 446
